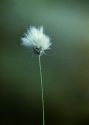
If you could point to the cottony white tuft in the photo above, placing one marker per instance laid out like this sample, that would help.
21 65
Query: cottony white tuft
36 39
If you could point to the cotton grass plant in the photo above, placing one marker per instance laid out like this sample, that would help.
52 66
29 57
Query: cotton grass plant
39 42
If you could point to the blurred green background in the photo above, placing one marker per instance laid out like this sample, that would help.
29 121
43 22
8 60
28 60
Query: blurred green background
65 66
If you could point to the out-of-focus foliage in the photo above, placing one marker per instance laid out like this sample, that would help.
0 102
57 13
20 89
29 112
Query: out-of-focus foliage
65 67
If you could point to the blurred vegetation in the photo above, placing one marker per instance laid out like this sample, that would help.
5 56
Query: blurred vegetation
65 67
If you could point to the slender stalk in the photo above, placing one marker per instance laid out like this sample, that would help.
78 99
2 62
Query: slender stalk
42 90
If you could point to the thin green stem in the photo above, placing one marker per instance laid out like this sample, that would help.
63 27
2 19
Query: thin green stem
42 89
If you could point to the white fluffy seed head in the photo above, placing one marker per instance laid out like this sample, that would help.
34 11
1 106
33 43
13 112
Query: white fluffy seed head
36 38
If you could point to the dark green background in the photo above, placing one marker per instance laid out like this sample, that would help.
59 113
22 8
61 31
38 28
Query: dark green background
65 66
